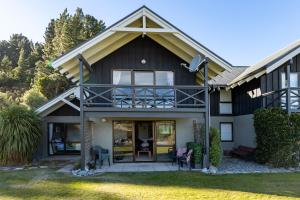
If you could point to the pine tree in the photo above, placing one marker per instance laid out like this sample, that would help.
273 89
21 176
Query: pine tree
49 36
6 64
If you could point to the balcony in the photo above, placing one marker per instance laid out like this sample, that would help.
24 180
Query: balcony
105 97
283 98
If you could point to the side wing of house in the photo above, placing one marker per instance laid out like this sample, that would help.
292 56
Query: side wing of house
266 84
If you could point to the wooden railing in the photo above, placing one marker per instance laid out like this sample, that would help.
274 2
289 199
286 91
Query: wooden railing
144 97
279 98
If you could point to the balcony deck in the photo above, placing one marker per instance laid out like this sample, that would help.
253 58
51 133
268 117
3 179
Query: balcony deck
146 98
283 98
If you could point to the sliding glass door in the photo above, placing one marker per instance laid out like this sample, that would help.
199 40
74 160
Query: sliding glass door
164 140
123 150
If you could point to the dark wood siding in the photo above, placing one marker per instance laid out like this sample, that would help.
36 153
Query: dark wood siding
130 55
242 102
66 110
215 103
272 81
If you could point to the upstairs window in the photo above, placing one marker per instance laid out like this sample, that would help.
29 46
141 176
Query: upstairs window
225 102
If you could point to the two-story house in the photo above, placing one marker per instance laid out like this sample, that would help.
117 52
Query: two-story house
135 96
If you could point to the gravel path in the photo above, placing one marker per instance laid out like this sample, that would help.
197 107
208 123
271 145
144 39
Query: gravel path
232 165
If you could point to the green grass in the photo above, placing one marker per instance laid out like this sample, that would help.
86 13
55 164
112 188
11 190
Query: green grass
47 184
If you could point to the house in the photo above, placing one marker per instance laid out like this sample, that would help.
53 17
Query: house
135 96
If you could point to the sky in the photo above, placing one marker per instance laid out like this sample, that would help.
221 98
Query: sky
241 31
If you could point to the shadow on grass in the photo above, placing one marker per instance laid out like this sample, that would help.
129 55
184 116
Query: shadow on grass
26 186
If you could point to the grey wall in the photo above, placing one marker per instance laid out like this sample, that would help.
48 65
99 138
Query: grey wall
215 122
244 131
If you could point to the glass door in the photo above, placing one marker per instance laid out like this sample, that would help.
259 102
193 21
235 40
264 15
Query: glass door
144 96
123 150
164 140
294 82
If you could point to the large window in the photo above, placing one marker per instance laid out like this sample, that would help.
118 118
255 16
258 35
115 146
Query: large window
226 131
63 138
143 97
225 102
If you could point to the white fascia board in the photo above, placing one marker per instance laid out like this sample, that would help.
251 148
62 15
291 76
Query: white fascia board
56 100
144 30
283 60
79 50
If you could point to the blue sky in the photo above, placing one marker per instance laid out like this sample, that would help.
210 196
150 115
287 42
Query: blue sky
241 31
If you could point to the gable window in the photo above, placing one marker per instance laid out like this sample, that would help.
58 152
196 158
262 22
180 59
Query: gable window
226 131
225 102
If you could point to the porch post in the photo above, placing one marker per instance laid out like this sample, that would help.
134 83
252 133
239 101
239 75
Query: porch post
288 95
206 154
82 135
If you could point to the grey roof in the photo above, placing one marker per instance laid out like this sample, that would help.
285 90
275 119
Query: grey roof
226 77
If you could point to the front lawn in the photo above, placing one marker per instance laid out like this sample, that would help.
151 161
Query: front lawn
47 184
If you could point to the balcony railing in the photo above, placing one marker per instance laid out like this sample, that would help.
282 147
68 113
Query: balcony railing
279 98
144 97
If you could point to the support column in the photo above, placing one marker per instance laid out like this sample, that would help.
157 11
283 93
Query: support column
82 117
206 97
288 90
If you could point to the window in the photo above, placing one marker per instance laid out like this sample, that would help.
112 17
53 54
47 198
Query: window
225 102
164 78
63 138
121 77
293 83
226 131
143 97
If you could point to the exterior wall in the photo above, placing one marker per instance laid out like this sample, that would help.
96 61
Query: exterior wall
102 132
243 103
215 122
244 133
130 55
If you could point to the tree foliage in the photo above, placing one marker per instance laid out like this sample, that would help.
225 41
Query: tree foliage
33 98
215 148
25 64
277 137
19 134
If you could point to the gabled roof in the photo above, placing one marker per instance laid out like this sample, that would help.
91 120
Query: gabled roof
268 64
226 77
59 101
142 21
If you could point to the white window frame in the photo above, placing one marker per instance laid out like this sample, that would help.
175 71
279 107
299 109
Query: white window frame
226 123
225 105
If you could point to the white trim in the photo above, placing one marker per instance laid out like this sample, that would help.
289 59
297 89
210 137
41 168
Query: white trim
143 30
283 60
121 26
57 100
70 104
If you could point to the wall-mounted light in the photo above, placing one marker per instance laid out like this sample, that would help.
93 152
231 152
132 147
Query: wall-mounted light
72 96
143 61
103 120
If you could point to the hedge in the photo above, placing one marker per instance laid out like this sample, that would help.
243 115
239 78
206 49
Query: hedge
277 137
215 148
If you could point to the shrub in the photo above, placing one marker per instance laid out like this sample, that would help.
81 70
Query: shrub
277 137
215 148
19 134
33 98
197 152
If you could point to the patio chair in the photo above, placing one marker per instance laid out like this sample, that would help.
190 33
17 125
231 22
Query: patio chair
101 154
172 154
185 159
